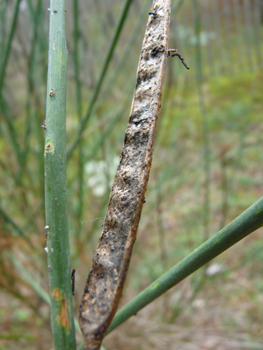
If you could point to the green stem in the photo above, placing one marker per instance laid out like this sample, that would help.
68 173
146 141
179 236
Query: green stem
59 272
249 221
3 20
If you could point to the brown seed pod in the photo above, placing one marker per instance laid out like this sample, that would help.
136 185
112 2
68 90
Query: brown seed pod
111 261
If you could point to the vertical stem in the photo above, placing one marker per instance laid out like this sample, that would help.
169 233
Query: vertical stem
3 9
55 184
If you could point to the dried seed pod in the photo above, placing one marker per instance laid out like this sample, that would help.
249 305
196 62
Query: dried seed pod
110 263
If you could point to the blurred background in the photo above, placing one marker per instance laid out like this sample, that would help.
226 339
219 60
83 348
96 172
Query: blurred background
206 168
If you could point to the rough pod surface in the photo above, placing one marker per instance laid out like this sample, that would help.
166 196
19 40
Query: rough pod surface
111 261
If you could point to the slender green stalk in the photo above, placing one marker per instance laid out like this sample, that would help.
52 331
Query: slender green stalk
102 76
249 221
3 7
57 248
8 47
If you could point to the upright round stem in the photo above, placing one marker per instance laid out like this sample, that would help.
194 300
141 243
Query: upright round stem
55 184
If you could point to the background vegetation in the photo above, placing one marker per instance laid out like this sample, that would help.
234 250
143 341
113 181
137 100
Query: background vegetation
206 168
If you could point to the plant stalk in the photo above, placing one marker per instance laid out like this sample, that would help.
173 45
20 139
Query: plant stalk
249 221
57 248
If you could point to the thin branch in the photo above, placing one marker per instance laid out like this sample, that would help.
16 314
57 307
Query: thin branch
249 221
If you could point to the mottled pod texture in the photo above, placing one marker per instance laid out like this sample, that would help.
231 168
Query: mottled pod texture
111 261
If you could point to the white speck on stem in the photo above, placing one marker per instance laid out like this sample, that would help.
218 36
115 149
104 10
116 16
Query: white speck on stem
46 249
46 227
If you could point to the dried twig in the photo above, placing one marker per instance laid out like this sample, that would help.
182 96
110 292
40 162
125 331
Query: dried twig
110 263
